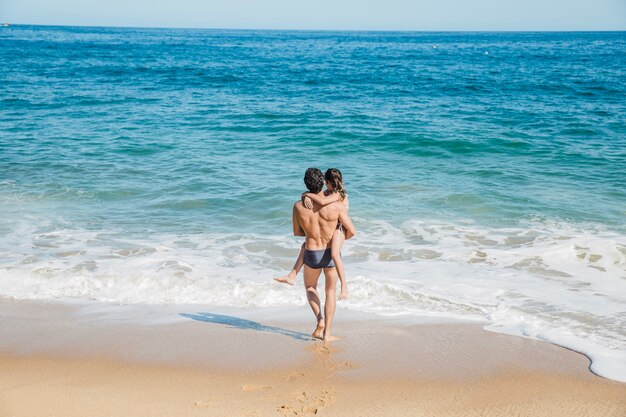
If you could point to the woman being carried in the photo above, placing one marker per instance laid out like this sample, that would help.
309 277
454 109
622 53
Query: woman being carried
335 191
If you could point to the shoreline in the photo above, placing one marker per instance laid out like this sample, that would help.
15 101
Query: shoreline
73 360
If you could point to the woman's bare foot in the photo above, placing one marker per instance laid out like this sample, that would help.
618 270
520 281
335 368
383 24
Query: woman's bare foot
287 279
319 330
344 293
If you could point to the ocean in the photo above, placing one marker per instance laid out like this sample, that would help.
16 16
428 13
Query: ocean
486 171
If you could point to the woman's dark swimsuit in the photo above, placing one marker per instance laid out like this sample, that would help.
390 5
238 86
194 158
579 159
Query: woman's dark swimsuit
318 259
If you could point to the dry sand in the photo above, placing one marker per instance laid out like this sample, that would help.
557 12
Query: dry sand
67 361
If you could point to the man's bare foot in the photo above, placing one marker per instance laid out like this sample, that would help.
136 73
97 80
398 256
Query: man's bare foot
329 338
287 279
344 294
319 331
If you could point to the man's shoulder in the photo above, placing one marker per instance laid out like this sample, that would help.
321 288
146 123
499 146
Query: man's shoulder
299 207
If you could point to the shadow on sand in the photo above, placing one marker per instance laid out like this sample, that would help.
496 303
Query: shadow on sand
245 324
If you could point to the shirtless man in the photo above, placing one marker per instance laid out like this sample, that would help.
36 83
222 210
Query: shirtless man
318 226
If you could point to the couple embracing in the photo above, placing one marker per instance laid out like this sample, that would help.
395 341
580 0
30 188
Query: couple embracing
322 218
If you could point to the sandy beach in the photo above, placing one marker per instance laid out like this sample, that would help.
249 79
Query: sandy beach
148 177
106 360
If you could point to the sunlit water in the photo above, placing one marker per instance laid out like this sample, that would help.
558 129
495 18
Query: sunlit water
486 172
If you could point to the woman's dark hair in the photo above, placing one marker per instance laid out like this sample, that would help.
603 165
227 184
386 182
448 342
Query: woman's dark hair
334 177
314 180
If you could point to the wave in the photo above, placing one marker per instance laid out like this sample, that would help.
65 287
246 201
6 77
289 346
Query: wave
546 280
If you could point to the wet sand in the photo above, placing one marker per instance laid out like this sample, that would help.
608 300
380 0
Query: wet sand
99 360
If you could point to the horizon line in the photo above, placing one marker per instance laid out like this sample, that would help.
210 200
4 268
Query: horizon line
330 30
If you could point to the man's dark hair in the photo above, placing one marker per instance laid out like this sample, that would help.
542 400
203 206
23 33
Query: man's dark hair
314 180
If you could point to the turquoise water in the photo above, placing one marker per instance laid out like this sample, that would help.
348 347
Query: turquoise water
486 171
195 127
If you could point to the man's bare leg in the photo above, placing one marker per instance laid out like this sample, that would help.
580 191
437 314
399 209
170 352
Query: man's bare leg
311 277
291 277
331 301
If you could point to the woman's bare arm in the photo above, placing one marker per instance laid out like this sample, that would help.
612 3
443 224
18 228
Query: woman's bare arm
348 226
324 201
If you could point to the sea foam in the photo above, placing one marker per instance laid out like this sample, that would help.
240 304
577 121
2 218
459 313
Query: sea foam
548 281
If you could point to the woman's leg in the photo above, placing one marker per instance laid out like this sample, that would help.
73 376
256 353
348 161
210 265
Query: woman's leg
291 277
335 246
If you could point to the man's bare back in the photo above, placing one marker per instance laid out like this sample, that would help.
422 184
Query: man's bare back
319 224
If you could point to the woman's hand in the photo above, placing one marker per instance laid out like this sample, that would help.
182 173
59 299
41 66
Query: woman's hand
307 202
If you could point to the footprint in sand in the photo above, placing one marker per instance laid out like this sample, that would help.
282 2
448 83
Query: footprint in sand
202 404
324 349
343 366
256 388
308 405
303 397
287 410
295 377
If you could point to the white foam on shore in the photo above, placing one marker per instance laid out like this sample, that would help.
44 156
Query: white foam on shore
547 281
